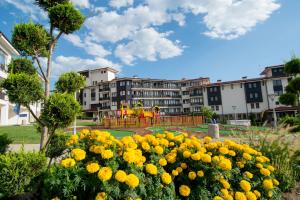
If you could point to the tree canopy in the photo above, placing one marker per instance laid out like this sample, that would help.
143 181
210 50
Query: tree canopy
22 65
69 82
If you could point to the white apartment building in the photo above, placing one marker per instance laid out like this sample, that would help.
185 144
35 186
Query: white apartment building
8 116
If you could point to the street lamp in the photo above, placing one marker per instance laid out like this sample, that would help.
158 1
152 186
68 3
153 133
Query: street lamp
234 108
272 97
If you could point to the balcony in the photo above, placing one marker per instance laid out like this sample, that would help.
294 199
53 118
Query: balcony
2 96
3 67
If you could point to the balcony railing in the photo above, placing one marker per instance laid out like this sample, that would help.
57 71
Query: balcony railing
3 67
156 96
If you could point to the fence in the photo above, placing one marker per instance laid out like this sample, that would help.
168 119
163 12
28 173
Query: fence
146 122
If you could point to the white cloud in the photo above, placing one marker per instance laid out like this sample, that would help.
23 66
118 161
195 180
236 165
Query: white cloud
28 7
81 3
120 3
88 45
147 44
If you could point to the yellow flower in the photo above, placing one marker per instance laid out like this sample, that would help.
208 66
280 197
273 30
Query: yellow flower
271 168
225 183
107 154
183 165
73 139
101 196
187 154
223 150
245 185
224 192
265 172
248 175
78 154
247 156
162 162
200 173
68 162
268 184
105 174
257 193
231 153
146 146
240 196
259 165
55 198
159 150
192 175
92 167
151 169
121 176
132 180
206 158
84 133
196 156
217 198
270 194
275 182
251 196
179 169
207 139
175 173
184 190
166 178
225 164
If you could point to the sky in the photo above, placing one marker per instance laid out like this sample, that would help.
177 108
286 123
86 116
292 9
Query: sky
171 39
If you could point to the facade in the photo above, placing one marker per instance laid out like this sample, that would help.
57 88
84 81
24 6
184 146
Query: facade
238 99
8 115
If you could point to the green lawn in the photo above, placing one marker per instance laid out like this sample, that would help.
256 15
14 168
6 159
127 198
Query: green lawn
29 135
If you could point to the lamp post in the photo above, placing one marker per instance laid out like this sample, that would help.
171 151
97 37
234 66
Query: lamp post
234 108
272 97
74 127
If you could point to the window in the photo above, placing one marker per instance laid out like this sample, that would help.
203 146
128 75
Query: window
84 103
251 96
113 94
241 85
211 98
2 61
257 105
231 85
277 83
216 98
216 89
278 93
114 103
128 92
252 105
93 94
94 82
254 85
122 93
249 85
84 94
122 83
212 107
217 108
256 95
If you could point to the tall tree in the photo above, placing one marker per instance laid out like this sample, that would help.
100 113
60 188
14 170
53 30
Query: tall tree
35 41
292 95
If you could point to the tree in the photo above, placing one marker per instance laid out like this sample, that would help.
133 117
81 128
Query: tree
69 82
291 97
207 112
35 41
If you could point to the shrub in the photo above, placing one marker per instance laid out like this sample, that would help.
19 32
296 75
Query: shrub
18 169
162 166
292 122
4 143
57 145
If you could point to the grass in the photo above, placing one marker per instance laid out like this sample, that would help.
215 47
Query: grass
29 135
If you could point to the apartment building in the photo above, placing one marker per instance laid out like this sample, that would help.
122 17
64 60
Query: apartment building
8 111
236 99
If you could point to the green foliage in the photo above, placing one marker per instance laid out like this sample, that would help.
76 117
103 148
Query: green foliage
21 65
18 169
23 88
66 17
31 39
60 110
46 4
4 143
293 66
295 85
292 122
70 82
288 99
57 145
207 112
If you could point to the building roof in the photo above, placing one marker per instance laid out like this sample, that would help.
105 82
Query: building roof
270 67
101 68
9 44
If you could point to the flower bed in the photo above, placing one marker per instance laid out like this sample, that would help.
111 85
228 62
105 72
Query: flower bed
161 166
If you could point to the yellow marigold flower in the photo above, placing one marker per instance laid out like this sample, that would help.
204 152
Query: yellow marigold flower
206 158
224 192
271 168
245 185
265 172
247 156
248 175
121 176
184 190
270 194
107 154
225 183
92 167
146 146
257 193
183 165
218 198
225 164
192 175
259 165
275 182
68 162
55 198
200 173
260 159
179 169
132 180
268 184
216 159
101 196
240 164
73 139
187 154
232 153
196 156
151 169
166 178
159 150
175 173
240 196
223 150
172 144
84 133
162 162
251 196
207 139
78 154
105 174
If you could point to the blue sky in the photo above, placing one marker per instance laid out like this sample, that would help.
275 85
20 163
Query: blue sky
172 39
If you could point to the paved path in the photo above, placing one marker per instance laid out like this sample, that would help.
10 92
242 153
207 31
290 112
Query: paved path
27 147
